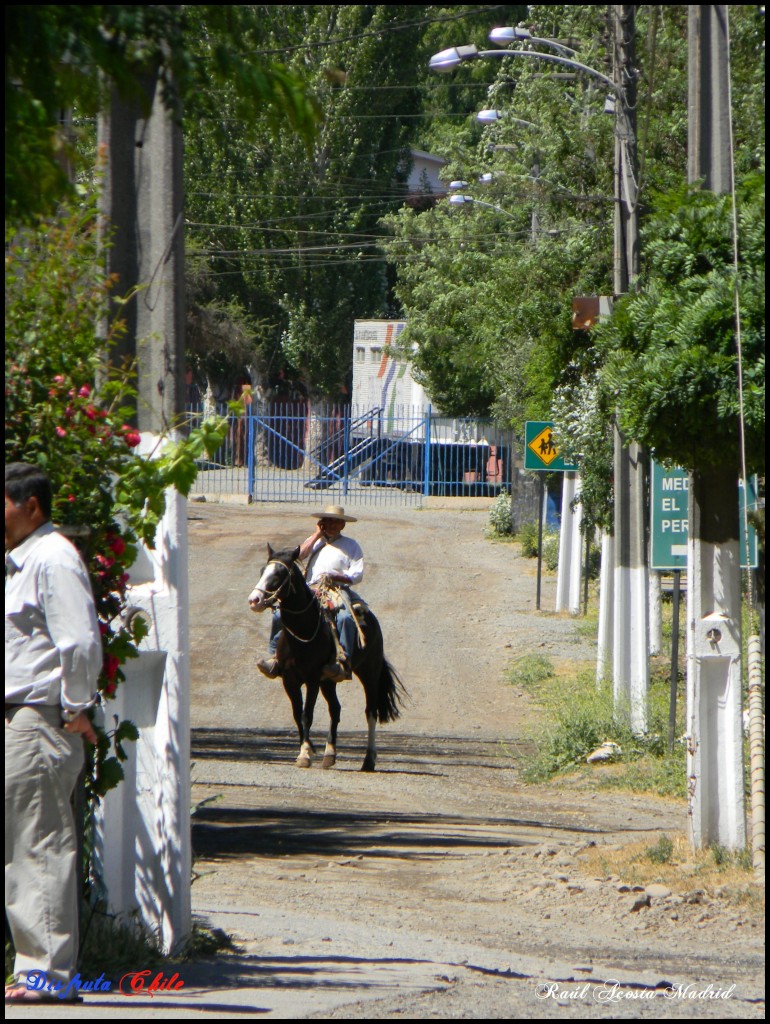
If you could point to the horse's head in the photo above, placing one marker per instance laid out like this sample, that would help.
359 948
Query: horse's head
274 579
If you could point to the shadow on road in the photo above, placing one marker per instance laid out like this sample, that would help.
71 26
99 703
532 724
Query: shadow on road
397 752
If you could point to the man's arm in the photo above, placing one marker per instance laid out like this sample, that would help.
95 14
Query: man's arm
71 619
306 548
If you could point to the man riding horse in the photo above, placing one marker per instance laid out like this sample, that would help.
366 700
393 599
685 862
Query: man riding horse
336 563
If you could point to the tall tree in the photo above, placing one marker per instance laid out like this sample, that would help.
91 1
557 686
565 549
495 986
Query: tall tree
294 237
64 58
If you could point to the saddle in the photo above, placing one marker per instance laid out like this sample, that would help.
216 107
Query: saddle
331 596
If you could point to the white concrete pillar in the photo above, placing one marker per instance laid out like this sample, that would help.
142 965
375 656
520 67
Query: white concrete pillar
143 826
630 664
606 610
570 548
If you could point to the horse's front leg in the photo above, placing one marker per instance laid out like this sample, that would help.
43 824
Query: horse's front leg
329 690
293 690
304 757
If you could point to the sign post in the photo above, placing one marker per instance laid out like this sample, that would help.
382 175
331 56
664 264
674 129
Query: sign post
542 456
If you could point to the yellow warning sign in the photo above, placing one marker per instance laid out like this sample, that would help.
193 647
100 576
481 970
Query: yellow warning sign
543 447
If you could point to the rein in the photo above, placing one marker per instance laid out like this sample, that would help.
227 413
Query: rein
274 596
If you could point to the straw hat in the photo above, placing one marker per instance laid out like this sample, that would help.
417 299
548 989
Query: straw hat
334 512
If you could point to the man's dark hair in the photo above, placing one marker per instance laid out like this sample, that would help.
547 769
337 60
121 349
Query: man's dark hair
23 481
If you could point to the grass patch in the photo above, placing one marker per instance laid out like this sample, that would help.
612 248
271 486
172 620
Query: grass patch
723 874
579 718
530 672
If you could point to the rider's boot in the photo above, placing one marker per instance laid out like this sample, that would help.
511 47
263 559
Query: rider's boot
269 667
337 671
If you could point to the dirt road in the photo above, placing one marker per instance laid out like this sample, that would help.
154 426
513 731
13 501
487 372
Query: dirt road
441 885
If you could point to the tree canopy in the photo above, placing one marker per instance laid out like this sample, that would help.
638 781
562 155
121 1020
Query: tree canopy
61 60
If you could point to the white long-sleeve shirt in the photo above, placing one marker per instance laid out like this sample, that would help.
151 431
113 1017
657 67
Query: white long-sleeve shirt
343 555
53 649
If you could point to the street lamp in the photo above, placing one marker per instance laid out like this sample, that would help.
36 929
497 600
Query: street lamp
631 613
493 116
451 58
459 199
505 36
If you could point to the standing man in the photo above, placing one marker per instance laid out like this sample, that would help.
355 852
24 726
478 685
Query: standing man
53 655
336 560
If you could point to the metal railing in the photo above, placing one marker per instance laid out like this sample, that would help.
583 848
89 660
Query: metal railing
293 452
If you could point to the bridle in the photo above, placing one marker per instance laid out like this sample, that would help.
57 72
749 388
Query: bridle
273 596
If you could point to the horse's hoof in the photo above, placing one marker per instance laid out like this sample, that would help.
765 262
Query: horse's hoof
329 761
368 765
302 761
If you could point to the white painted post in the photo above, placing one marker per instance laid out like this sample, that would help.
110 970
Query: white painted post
144 826
714 719
606 610
630 664
570 547
144 846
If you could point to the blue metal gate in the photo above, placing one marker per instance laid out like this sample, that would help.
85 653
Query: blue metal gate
301 453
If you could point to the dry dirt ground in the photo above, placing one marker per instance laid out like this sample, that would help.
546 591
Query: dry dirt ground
440 886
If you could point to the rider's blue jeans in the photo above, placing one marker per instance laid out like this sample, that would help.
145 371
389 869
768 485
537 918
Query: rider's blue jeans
346 628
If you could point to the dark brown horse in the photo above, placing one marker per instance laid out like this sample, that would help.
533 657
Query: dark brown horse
307 644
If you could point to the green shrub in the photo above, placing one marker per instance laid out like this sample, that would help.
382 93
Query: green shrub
500 523
527 537
661 852
551 551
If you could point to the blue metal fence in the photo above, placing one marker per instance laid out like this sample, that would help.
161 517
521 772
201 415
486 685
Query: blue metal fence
295 452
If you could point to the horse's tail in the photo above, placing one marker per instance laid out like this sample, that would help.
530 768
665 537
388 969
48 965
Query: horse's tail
391 694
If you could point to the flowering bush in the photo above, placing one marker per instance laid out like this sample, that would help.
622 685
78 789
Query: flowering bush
68 411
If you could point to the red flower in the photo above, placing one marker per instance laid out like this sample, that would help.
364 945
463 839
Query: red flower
85 391
111 666
61 432
116 545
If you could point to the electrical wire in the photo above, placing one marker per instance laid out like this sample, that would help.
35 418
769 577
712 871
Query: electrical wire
385 30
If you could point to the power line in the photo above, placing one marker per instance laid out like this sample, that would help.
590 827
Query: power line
385 30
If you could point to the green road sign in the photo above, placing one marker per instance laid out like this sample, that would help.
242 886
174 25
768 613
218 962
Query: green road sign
540 452
669 511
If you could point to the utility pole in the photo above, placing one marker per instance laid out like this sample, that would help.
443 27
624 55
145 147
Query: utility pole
144 829
630 662
714 725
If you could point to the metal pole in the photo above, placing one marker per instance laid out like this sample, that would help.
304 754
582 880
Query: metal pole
540 540
346 470
426 465
674 662
631 612
585 574
250 460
